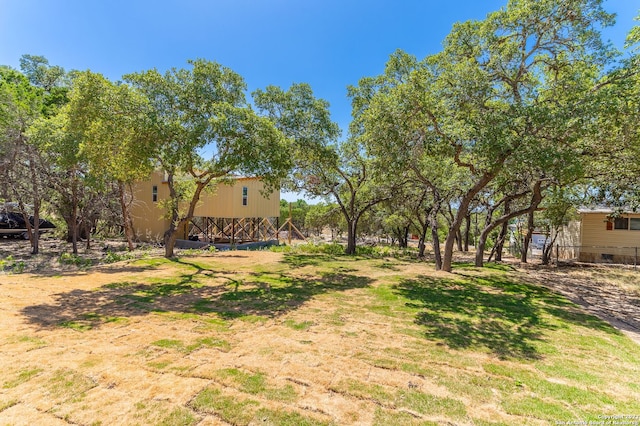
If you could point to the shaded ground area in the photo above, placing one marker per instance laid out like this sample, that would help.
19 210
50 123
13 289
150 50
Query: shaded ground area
248 338
223 294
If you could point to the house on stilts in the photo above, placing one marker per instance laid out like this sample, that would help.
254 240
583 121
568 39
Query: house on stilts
233 212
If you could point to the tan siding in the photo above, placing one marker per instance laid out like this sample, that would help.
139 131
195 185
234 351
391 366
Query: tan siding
599 244
148 218
223 201
226 201
594 232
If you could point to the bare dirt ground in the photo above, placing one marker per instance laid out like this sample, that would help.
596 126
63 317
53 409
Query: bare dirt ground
611 293
142 367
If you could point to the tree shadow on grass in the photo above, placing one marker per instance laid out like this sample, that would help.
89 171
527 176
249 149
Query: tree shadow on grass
201 291
313 259
298 260
490 312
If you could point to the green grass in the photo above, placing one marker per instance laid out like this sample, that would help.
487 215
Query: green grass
384 417
228 408
204 342
67 384
299 326
165 414
400 398
151 262
7 404
255 384
22 376
112 257
30 341
285 418
247 411
180 416
90 320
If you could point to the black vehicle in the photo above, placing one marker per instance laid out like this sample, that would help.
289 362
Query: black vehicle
13 225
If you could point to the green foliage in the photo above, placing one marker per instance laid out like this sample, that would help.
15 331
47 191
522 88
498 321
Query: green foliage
40 73
112 257
114 120
324 215
204 129
323 167
337 250
299 211
20 102
306 122
9 264
508 103
73 259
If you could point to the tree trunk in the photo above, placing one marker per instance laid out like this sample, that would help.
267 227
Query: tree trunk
35 243
74 217
178 223
351 237
459 240
500 243
467 232
170 238
482 242
548 249
536 199
423 238
31 233
503 233
436 246
87 230
432 222
34 236
126 217
401 233
463 210
527 238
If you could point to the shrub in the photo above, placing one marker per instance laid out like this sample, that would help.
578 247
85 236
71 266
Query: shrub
72 259
112 257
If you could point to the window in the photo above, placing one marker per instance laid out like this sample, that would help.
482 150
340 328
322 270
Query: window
634 223
245 195
154 193
621 223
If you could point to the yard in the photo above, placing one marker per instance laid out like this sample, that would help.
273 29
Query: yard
290 338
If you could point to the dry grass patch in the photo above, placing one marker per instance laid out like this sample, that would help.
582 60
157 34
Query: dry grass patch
307 338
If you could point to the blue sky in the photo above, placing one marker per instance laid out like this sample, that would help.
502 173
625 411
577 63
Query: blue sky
329 44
